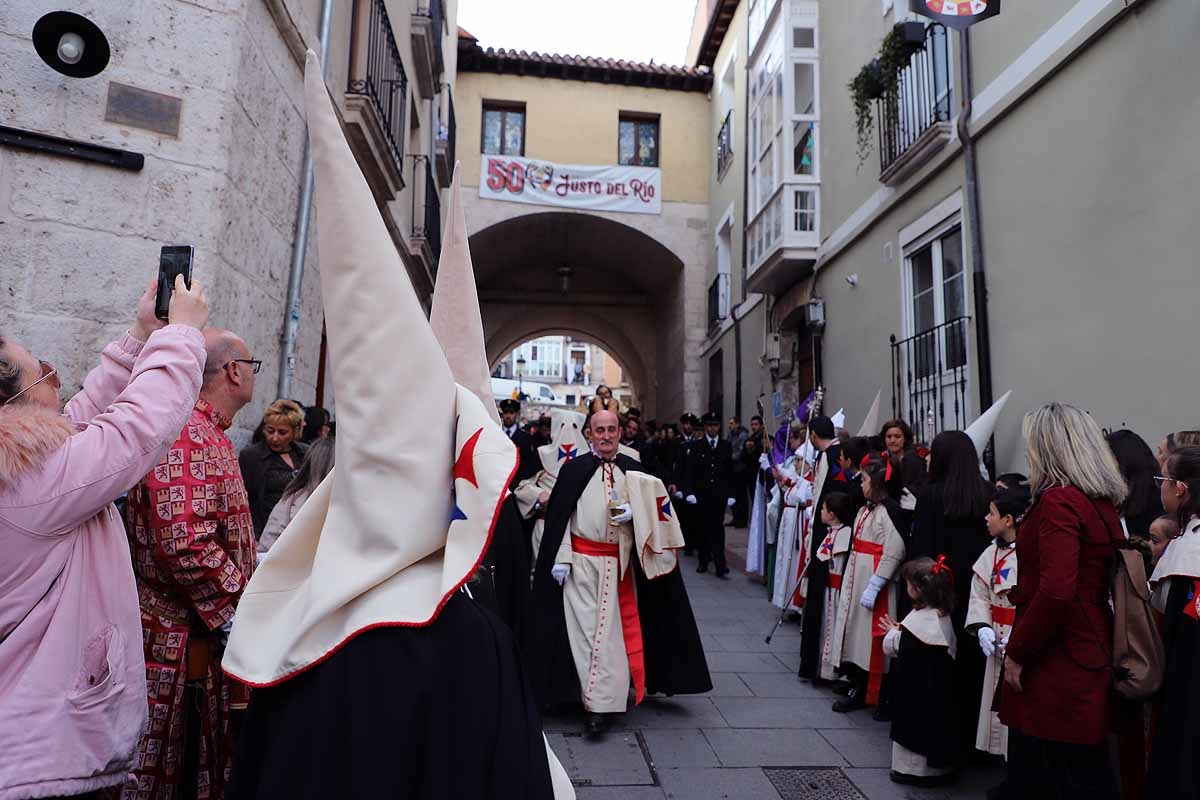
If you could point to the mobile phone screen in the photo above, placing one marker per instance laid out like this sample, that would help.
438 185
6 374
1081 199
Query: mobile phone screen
173 261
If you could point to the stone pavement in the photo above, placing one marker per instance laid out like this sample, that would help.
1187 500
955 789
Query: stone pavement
761 734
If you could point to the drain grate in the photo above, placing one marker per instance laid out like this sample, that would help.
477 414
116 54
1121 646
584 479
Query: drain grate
820 783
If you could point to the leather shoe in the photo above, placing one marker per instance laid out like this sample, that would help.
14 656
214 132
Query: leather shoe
842 688
597 725
703 568
853 701
723 573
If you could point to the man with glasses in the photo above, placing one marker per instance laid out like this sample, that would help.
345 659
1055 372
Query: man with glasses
192 540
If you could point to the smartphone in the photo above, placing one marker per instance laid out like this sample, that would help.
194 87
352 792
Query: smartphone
174 260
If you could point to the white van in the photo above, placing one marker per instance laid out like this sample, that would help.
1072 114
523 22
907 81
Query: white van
539 393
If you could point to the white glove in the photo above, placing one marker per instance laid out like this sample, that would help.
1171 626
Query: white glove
731 502
691 500
679 495
987 640
625 516
764 463
560 573
871 593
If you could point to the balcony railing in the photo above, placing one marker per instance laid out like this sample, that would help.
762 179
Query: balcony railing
725 145
446 136
383 80
437 17
921 104
427 215
718 300
929 374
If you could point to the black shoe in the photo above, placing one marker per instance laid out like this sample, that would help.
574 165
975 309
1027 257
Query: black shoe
723 573
702 568
853 701
921 780
819 683
842 688
597 725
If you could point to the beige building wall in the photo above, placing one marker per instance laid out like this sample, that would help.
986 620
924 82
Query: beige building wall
572 122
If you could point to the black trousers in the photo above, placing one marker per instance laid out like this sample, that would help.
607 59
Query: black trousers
1039 769
710 518
741 506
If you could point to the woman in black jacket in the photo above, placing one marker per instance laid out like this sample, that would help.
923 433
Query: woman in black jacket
950 521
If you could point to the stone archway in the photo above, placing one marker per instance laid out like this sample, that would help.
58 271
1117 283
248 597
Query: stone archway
623 289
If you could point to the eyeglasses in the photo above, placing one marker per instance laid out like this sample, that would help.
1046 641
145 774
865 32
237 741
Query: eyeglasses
1161 479
49 373
255 364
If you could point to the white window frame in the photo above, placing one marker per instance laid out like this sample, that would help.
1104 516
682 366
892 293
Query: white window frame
929 230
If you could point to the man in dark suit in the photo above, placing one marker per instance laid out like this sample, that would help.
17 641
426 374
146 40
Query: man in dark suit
709 489
510 412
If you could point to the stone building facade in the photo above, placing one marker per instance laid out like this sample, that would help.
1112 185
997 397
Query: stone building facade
209 92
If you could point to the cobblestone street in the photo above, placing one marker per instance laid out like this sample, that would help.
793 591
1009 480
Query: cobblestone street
761 734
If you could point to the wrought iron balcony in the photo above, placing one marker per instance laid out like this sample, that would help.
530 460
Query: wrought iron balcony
376 97
428 30
444 145
914 119
929 375
427 214
725 145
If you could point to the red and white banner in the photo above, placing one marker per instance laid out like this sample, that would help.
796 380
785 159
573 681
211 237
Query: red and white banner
636 190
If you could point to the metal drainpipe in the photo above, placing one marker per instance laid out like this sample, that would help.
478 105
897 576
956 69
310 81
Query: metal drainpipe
983 344
291 321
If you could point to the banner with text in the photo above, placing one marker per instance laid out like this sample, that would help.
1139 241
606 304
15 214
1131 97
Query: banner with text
637 190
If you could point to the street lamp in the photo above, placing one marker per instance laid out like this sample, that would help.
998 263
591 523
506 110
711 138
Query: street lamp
520 375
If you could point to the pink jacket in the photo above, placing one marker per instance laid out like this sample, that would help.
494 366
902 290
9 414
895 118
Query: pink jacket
72 674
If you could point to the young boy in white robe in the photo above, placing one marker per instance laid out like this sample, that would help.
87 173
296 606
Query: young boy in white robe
990 615
837 512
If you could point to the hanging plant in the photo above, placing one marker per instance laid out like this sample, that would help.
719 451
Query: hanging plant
881 78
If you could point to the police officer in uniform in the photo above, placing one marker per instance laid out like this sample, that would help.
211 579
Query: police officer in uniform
709 488
510 413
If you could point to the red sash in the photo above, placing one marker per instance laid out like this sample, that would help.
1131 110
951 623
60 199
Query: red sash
875 673
835 582
1004 615
631 625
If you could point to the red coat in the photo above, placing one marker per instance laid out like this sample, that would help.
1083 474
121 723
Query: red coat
1062 637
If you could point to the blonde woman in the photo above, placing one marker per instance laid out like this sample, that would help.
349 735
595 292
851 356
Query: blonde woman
318 461
1057 673
270 465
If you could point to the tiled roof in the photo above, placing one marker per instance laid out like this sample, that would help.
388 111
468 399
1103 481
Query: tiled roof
473 58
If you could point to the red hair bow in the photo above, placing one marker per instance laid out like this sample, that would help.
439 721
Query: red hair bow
887 460
940 565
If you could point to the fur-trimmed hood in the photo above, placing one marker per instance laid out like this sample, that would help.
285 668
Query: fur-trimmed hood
28 434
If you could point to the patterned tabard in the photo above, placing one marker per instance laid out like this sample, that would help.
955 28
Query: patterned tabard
192 541
995 576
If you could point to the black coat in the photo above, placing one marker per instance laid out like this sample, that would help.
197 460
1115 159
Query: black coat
266 476
441 712
505 585
818 571
1174 767
675 662
962 541
708 471
922 709
529 463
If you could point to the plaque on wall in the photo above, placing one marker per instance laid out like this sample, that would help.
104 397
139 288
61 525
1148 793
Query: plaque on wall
141 108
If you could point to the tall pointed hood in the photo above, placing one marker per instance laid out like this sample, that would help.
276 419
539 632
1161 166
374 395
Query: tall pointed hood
981 429
568 444
870 425
406 516
455 318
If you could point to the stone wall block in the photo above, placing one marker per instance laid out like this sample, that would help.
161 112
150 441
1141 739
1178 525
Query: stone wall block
181 205
46 187
88 274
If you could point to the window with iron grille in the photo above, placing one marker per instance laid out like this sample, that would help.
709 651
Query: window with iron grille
503 129
725 145
637 140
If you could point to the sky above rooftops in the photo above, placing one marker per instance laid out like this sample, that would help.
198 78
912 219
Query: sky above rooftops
634 30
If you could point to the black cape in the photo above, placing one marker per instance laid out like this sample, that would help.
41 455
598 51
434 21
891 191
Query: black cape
923 715
505 584
818 571
1174 766
962 541
675 662
441 712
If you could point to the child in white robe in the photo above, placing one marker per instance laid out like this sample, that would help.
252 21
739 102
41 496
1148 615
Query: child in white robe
837 512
